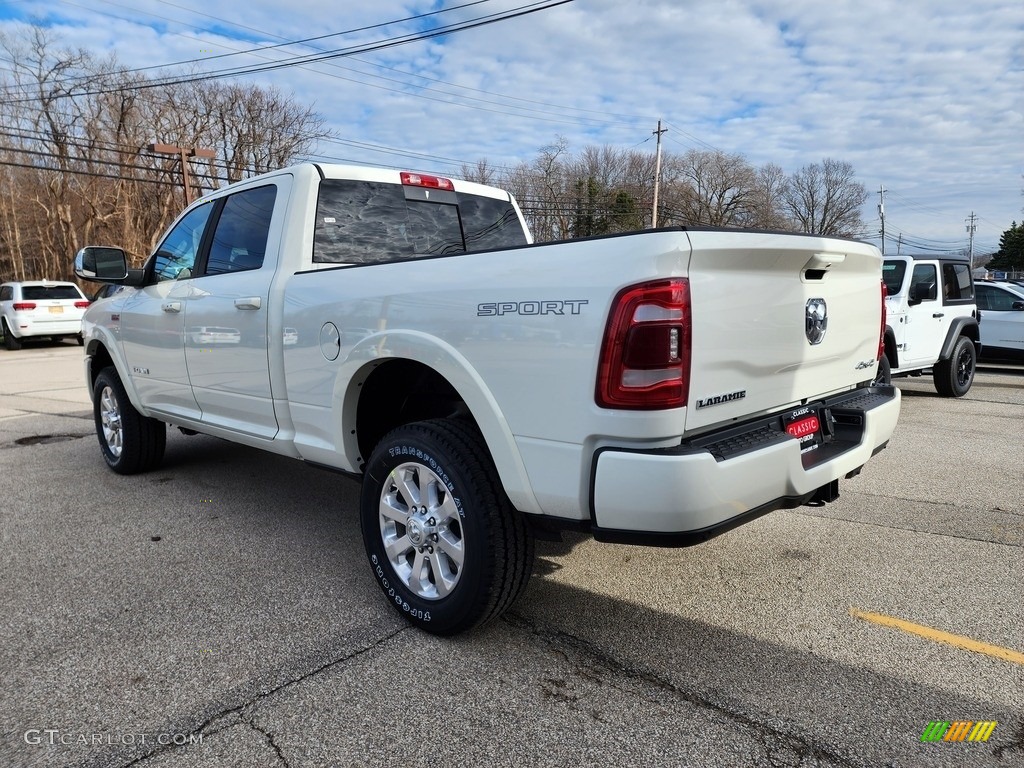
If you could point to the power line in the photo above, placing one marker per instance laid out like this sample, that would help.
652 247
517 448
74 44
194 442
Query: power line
259 49
96 174
392 42
562 109
580 118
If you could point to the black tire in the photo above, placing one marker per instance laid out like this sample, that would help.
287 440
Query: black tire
80 339
884 373
11 344
466 516
953 377
130 442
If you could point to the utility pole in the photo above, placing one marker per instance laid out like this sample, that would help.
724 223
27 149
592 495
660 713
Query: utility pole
184 153
881 213
657 175
899 244
970 232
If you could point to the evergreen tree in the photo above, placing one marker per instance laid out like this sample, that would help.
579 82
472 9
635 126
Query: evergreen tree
1010 256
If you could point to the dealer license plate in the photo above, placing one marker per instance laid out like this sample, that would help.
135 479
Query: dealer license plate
57 310
805 426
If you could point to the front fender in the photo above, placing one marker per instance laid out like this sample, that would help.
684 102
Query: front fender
100 347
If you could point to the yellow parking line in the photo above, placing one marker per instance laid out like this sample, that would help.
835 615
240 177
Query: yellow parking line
938 636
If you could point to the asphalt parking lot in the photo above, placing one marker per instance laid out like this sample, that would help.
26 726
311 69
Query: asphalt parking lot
220 612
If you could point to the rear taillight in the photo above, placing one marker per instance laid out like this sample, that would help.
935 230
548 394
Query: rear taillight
81 305
645 355
881 333
423 180
23 306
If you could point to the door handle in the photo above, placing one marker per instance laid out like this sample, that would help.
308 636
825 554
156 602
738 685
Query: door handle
939 314
171 306
249 302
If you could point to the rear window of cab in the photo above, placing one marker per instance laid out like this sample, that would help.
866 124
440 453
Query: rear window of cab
367 222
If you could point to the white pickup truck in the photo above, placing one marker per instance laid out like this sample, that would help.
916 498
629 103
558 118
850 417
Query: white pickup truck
658 388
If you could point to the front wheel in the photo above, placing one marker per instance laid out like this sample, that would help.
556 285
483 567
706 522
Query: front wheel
953 377
444 542
131 443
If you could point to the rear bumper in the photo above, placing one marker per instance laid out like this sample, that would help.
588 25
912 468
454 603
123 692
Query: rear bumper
692 492
24 327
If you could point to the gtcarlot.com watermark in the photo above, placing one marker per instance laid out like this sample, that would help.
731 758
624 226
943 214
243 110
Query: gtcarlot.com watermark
55 737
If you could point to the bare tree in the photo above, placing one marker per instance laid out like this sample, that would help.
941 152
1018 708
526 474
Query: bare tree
825 200
253 129
544 192
713 188
44 120
481 173
75 167
767 209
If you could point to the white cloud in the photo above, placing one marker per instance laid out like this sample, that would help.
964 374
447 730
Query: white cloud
923 96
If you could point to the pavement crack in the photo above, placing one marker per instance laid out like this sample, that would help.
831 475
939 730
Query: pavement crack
782 748
270 740
230 716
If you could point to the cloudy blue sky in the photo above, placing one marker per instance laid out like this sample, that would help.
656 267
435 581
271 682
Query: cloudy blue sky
925 97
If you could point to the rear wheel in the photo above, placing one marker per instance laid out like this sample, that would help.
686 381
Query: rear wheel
130 442
953 377
444 542
10 343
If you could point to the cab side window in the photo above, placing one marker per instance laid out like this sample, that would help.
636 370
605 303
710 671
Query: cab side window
176 257
956 282
240 239
923 282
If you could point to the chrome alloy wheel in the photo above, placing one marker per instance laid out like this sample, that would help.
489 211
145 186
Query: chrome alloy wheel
110 418
421 530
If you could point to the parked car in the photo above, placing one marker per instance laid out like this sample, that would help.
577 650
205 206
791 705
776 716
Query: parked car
37 308
1002 320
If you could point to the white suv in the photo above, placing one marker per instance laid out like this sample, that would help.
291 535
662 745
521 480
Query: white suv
40 308
1002 329
931 322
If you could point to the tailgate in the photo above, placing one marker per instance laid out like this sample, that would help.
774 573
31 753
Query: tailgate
752 295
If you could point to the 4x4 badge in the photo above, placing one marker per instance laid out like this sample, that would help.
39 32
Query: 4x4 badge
816 320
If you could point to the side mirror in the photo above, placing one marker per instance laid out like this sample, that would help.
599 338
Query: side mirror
922 292
1017 305
101 264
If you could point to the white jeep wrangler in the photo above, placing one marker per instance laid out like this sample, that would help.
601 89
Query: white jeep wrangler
931 322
